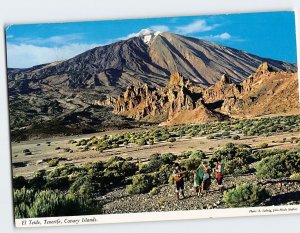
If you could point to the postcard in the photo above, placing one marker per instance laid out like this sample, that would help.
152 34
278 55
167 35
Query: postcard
154 119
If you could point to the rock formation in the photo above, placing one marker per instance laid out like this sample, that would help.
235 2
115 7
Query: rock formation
182 102
140 102
265 92
176 103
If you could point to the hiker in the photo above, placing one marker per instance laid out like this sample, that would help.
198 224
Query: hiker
206 177
200 174
212 167
178 175
197 182
219 175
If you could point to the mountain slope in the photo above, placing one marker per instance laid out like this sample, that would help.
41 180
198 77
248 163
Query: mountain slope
148 58
205 62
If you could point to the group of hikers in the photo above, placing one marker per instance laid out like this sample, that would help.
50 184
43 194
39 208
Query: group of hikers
202 177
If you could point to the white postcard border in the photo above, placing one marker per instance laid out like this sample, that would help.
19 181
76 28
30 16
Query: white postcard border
157 216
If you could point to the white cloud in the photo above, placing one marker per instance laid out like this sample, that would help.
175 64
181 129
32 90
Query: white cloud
223 36
196 26
127 36
9 36
53 40
160 28
26 55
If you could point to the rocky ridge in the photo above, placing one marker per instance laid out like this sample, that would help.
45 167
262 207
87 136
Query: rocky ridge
183 102
179 97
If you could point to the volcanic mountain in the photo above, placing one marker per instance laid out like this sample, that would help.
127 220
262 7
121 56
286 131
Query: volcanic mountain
77 95
149 57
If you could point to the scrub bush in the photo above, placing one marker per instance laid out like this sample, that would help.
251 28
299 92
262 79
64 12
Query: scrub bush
245 195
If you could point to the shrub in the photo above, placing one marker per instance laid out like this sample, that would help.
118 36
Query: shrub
37 182
141 142
168 158
53 162
154 191
277 166
164 137
235 158
67 150
157 161
235 166
151 142
131 189
171 180
153 165
260 154
263 145
245 195
66 170
198 154
141 183
226 133
172 139
47 203
295 176
94 167
40 172
150 167
191 164
83 186
113 178
19 182
95 185
114 159
210 137
61 183
125 143
23 198
82 142
162 176
236 137
186 154
124 167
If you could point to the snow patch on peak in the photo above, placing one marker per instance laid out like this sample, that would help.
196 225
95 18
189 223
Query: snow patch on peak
147 39
147 35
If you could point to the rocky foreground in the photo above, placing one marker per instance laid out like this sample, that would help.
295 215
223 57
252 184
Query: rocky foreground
282 192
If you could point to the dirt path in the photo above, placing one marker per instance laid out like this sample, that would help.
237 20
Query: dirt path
41 150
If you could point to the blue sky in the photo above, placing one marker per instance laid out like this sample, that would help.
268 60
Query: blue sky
270 35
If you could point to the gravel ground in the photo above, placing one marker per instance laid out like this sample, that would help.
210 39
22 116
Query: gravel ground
282 192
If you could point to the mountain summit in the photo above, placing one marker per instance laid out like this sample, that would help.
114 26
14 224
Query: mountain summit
149 57
147 35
